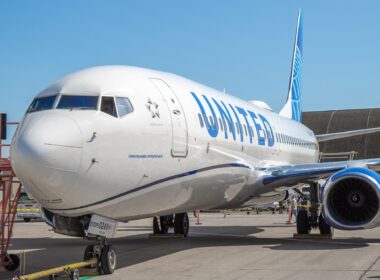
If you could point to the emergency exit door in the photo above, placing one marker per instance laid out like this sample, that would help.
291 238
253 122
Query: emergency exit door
178 120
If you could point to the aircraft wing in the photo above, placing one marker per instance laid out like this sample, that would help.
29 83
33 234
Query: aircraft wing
292 175
344 134
289 176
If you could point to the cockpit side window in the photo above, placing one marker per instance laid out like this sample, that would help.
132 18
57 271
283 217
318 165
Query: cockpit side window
42 103
124 106
83 102
108 106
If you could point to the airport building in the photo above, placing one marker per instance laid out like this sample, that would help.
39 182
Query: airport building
358 147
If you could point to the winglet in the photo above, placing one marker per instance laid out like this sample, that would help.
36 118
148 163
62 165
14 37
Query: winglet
292 108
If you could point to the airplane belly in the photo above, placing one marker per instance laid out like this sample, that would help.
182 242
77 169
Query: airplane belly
205 188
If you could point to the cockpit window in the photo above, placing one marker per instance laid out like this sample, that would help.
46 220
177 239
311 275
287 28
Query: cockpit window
108 106
42 103
124 106
83 102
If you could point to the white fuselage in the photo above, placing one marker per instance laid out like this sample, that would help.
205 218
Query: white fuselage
185 146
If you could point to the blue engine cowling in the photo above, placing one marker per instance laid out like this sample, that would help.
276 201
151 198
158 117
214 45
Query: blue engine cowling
351 199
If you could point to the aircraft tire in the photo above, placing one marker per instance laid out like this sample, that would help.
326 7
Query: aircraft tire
108 259
303 225
324 228
181 224
88 253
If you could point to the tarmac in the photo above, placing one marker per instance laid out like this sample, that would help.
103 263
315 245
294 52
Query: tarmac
239 246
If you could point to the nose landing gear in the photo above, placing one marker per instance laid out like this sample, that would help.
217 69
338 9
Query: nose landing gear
179 221
105 254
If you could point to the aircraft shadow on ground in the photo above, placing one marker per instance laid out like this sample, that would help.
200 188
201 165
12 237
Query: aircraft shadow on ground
52 252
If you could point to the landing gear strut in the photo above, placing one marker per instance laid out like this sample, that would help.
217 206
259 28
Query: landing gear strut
179 221
104 253
161 224
311 218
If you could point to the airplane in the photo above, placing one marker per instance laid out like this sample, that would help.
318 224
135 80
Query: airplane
120 143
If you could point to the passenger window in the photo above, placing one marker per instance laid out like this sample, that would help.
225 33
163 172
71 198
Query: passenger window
124 106
108 106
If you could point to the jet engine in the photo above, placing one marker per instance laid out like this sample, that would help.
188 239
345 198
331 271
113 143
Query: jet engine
351 199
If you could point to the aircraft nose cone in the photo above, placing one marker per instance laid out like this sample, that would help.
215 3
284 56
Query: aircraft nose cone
46 154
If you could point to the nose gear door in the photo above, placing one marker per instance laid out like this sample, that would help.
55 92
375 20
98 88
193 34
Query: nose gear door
179 126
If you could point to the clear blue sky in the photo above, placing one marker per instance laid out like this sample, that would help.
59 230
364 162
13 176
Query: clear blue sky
242 46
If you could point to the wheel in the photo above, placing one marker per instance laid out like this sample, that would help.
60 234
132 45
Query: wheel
108 259
303 226
88 253
324 228
74 275
156 227
27 220
13 262
181 224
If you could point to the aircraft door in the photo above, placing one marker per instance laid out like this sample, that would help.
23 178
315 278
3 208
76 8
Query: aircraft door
177 115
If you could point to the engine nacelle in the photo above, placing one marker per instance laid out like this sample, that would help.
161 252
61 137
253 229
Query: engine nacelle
351 199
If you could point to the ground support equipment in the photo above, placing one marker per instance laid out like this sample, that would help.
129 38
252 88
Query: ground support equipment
72 270
10 191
